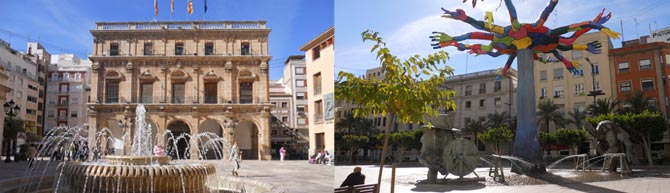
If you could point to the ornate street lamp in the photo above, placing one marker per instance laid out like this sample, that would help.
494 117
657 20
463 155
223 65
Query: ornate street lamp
11 110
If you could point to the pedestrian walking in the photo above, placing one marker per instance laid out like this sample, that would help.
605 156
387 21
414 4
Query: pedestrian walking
282 153
32 152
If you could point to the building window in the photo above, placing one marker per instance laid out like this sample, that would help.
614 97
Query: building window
179 48
114 49
245 49
77 76
300 96
482 88
595 69
482 103
209 48
623 67
497 86
543 92
284 119
579 89
50 114
559 92
318 108
112 92
652 102
54 76
73 114
625 86
246 92
300 83
316 53
468 104
178 93
211 92
645 64
300 109
74 100
647 84
558 74
284 104
300 70
148 48
580 107
317 83
147 92
497 102
66 76
468 90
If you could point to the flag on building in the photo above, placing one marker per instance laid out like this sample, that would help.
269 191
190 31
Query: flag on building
205 6
190 6
156 7
172 7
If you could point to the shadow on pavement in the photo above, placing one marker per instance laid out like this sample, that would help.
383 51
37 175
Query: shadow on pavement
448 185
582 187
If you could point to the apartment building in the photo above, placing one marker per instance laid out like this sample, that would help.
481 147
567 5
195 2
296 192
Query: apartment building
67 91
320 72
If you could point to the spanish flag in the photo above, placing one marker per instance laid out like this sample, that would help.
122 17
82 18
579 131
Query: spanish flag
190 6
156 7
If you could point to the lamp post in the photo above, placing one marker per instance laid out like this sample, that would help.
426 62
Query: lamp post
595 93
125 124
11 109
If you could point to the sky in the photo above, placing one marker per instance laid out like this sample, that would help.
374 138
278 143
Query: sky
62 26
407 25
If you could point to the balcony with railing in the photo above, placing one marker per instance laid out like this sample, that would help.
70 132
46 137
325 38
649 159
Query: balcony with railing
185 25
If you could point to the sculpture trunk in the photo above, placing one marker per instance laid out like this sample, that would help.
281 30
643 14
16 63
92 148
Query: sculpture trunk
526 145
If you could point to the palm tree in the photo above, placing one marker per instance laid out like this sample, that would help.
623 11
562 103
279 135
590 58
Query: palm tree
496 119
548 112
576 117
475 127
639 103
347 123
604 106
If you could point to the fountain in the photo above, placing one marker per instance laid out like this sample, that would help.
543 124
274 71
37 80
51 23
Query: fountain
141 171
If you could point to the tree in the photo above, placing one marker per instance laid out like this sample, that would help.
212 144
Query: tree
353 143
407 92
405 140
547 139
604 106
570 137
548 112
643 128
639 103
475 127
576 117
347 123
12 128
496 119
497 136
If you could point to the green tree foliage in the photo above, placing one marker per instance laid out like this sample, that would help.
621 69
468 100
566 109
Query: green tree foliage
576 117
408 90
497 136
639 103
570 137
547 139
476 127
643 128
496 119
604 106
352 143
548 112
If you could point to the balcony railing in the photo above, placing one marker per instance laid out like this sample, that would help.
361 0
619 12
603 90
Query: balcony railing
175 100
210 100
180 25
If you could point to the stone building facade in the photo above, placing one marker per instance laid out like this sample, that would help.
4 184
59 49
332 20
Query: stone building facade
192 77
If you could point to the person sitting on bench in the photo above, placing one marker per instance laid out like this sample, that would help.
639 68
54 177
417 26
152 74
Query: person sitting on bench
355 178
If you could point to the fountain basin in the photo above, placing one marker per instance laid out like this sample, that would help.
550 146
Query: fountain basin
138 160
101 177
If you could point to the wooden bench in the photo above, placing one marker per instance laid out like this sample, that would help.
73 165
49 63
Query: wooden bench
363 188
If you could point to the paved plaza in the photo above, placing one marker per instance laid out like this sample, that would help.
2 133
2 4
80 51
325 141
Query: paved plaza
288 176
407 178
